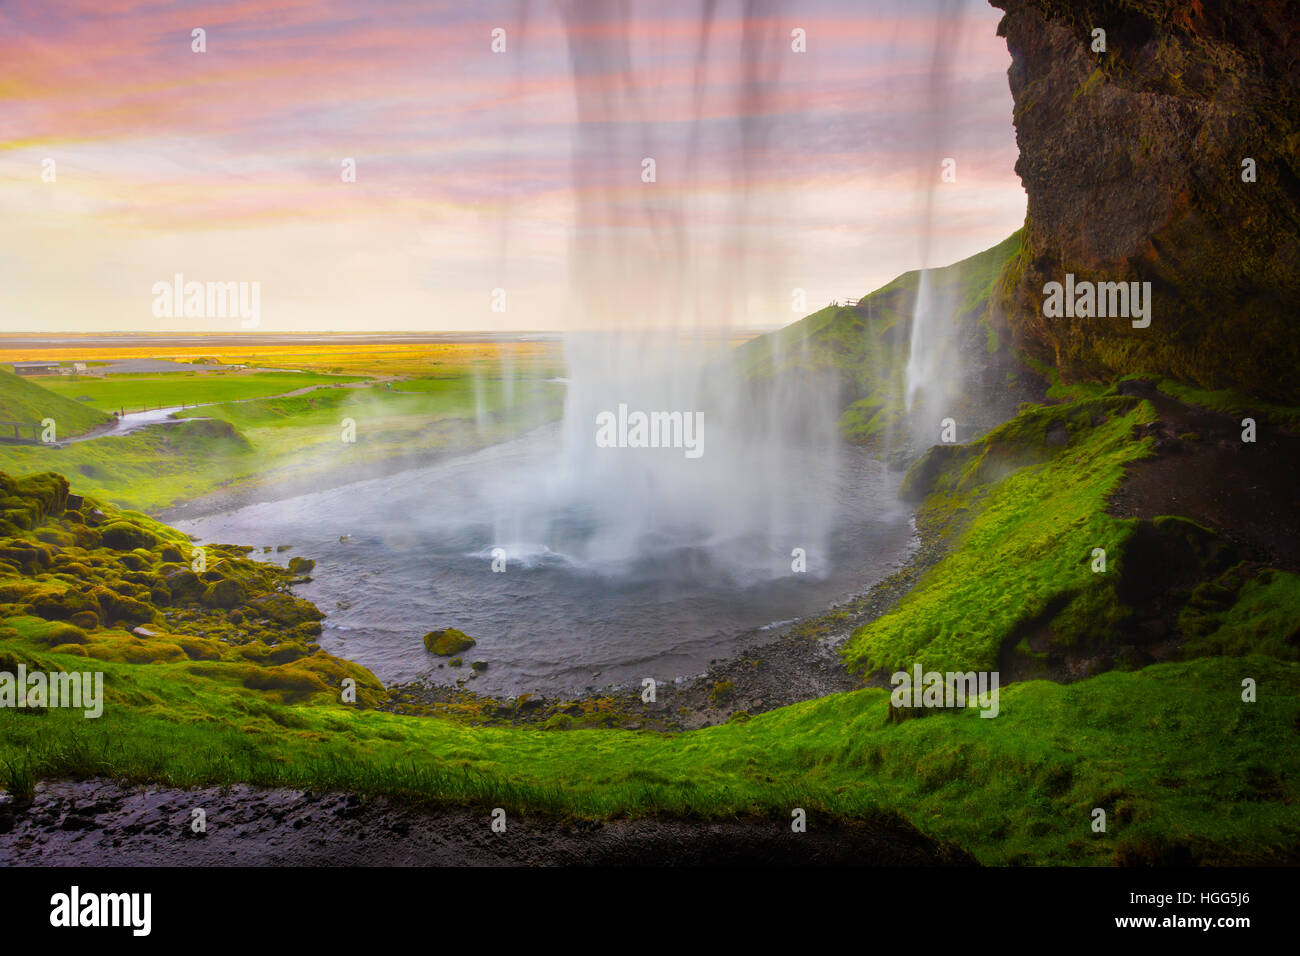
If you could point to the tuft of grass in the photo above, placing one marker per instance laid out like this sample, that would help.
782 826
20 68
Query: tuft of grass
1244 613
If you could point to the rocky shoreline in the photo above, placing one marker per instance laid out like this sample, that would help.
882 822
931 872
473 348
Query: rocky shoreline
802 662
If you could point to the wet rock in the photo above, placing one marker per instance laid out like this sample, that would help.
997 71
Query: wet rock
224 594
286 609
448 641
183 584
123 536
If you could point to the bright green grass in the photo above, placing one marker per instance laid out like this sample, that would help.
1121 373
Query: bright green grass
1171 753
22 400
1263 616
135 392
148 470
1027 540
302 435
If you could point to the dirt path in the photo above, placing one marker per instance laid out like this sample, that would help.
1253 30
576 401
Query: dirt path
98 822
134 421
381 380
1202 470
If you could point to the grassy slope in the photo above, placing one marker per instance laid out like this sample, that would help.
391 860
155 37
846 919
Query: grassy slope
1171 752
865 347
1026 542
148 469
134 392
22 400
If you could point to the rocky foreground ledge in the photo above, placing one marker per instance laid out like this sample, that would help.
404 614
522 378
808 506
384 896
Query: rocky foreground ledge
70 823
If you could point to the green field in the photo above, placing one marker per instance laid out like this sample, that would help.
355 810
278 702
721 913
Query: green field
135 392
250 442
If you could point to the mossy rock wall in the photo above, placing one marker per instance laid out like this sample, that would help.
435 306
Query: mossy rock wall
1132 162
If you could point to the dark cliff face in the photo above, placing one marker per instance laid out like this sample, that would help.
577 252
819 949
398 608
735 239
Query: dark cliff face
1132 160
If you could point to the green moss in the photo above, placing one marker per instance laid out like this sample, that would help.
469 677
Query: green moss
224 594
60 634
285 609
1244 611
721 692
126 536
1091 83
448 641
1024 507
1233 402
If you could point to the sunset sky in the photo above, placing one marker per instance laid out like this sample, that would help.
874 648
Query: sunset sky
477 170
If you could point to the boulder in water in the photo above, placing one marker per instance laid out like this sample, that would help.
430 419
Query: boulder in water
448 641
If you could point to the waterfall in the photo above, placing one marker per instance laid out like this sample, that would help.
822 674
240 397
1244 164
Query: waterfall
658 287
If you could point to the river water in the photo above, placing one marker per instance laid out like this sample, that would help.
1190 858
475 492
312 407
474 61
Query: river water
588 598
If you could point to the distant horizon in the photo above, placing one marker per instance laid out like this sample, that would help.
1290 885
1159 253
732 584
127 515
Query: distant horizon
349 163
358 333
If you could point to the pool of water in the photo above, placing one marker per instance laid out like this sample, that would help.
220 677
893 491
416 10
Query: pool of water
603 584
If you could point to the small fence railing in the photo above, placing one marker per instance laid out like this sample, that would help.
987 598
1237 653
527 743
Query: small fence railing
11 433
